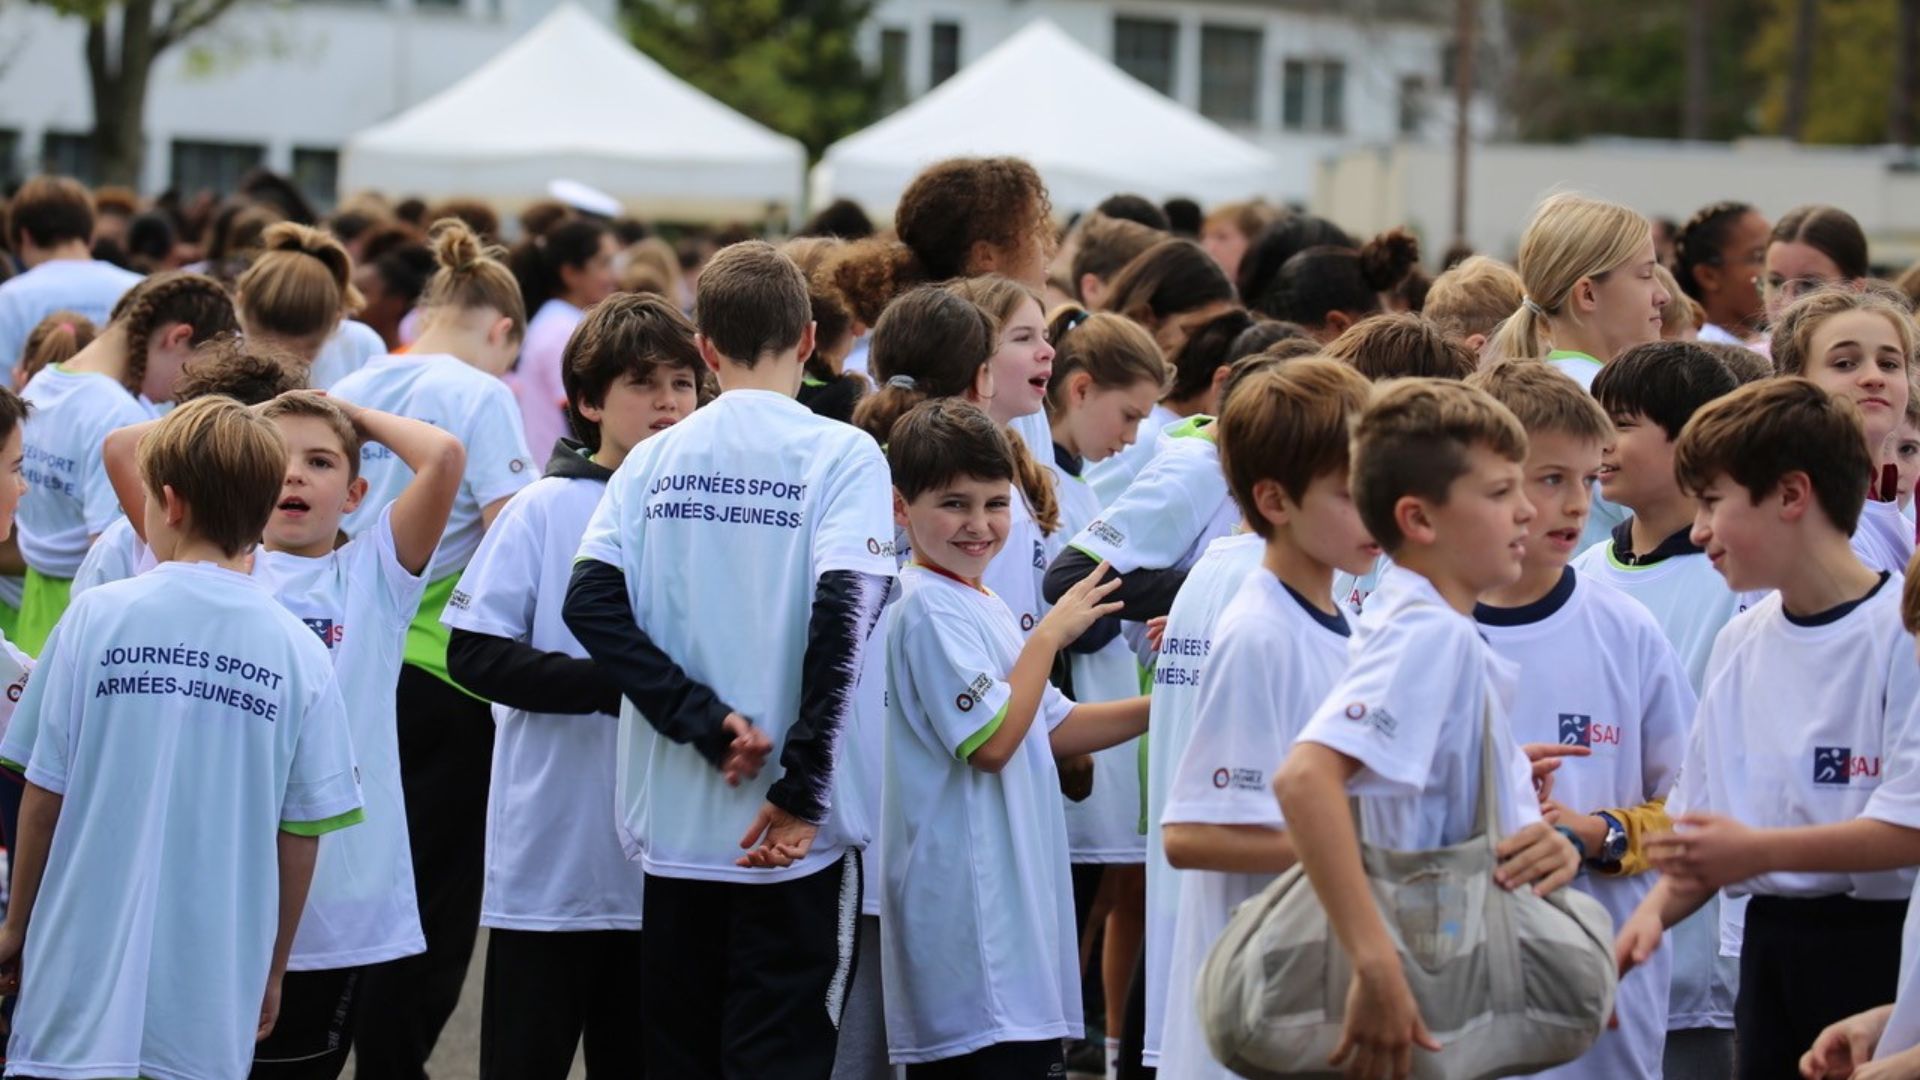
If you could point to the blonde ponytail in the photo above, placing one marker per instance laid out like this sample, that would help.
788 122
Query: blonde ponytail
1571 237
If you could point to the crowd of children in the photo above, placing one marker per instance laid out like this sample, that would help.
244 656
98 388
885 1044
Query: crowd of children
903 653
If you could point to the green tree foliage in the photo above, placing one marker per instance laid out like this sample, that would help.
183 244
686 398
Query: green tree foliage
793 65
1853 61
1582 69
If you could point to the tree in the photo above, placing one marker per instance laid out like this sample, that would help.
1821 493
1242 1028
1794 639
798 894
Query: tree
1849 60
793 65
124 40
1634 67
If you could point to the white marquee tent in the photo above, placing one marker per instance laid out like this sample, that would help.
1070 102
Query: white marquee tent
1090 128
572 99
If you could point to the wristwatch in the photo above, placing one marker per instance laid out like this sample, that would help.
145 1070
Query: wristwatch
1613 850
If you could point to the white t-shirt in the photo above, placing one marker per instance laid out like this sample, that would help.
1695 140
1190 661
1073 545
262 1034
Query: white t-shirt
1628 701
723 524
1903 1027
976 911
186 718
1884 538
358 600
554 860
1781 741
86 287
1579 366
15 667
118 555
1111 476
1691 602
1014 574
1105 826
71 498
346 352
1170 513
1274 657
1178 675
536 382
1415 725
463 401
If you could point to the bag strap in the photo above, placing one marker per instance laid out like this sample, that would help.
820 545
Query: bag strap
1486 817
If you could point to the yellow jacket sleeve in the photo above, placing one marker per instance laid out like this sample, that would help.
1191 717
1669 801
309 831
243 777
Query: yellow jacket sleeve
1641 822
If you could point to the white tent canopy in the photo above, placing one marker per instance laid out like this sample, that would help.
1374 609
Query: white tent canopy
1090 128
571 99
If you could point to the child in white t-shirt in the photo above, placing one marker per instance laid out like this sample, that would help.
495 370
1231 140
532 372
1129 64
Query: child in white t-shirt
14 664
1278 649
50 222
188 737
111 383
562 901
1650 392
1799 786
981 967
1626 715
359 599
1437 475
471 331
728 583
1860 345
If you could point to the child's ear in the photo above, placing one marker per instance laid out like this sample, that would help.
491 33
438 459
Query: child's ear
983 385
807 341
178 336
709 355
355 492
1415 519
590 411
501 331
1079 387
1585 298
1796 495
174 506
1092 290
899 509
1337 323
1271 500
1476 342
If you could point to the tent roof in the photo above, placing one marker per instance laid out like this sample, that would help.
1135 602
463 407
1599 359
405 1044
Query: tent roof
1090 128
573 99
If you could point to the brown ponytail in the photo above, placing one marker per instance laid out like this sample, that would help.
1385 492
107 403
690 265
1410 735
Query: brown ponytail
1115 352
194 300
56 340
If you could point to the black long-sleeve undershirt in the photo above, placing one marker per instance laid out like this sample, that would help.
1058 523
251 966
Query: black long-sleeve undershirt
519 676
1143 593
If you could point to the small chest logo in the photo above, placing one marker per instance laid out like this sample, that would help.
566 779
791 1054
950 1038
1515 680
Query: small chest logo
1837 766
1039 556
1576 730
1026 620
329 632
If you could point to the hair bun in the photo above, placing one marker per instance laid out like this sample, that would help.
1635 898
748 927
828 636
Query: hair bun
456 247
1385 259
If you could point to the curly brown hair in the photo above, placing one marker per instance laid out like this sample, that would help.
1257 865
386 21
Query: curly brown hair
948 209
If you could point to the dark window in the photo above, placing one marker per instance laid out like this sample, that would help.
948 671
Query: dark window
1144 49
317 174
1229 74
1413 104
1313 96
946 53
9 159
65 154
211 166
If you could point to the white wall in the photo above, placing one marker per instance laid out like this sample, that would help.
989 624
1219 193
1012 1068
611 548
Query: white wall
1369 189
303 74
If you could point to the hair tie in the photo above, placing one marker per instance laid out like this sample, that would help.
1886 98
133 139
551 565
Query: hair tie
1074 321
65 327
903 382
1532 305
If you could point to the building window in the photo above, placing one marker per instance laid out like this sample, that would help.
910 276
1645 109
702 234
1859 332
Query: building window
1229 74
1144 49
317 174
64 154
1313 96
9 159
211 166
893 68
946 53
1413 104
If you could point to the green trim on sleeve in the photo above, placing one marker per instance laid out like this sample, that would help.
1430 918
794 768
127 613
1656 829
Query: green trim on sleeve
979 738
1094 555
319 828
16 766
1193 427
